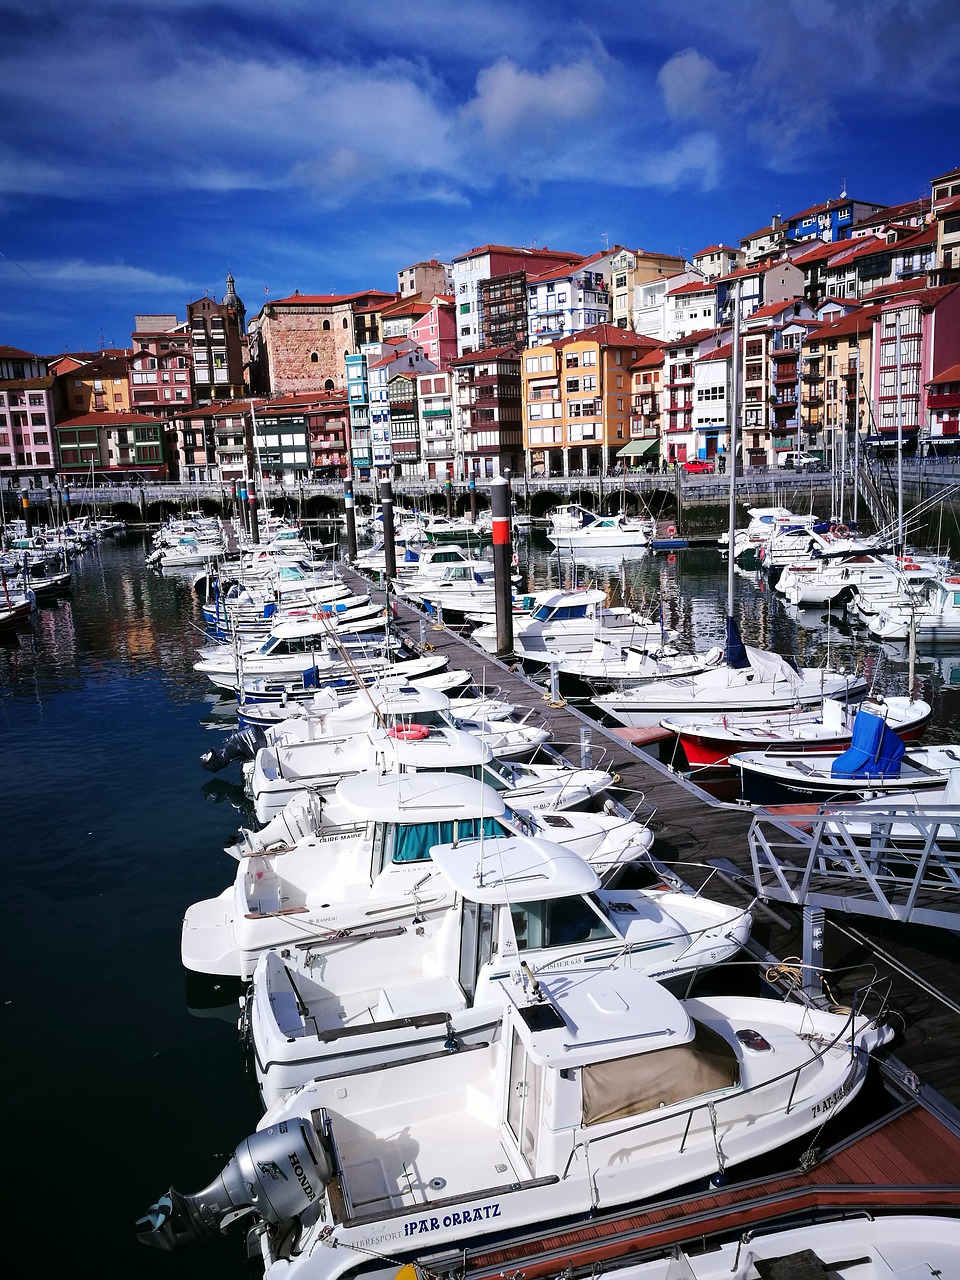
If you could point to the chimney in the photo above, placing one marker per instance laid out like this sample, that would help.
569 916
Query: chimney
775 222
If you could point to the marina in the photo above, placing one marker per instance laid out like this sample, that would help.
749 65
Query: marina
118 864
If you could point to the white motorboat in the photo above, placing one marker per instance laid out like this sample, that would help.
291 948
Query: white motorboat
315 706
800 777
341 1004
933 618
604 532
611 665
188 552
826 726
750 679
365 857
602 1090
360 668
567 622
292 645
280 772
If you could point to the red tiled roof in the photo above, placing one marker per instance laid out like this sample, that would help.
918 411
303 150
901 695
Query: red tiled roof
105 419
651 359
827 206
488 353
14 353
948 206
852 324
949 375
926 297
606 335
705 286
722 352
716 248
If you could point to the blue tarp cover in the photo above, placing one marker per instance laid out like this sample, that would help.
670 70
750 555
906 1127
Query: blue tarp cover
875 750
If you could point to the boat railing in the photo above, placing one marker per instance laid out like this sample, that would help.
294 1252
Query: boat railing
710 1109
894 860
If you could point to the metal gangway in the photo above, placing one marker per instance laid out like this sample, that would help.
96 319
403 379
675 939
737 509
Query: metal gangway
891 860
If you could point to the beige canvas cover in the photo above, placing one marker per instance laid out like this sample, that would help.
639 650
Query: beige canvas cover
630 1086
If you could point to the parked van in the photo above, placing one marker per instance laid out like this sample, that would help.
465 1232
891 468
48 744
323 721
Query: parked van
798 461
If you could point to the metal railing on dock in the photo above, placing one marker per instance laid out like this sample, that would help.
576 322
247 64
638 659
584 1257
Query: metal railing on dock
893 861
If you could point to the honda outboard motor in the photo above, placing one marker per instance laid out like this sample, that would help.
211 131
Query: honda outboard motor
242 745
276 1173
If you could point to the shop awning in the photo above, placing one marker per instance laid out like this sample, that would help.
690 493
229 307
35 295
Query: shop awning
637 448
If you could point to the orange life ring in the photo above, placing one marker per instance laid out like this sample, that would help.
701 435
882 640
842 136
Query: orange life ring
409 732
671 530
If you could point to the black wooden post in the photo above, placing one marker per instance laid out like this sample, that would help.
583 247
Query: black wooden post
389 536
351 517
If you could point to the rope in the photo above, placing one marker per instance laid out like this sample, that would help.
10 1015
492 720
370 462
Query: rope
789 971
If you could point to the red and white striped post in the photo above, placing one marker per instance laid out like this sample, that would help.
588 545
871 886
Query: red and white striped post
503 587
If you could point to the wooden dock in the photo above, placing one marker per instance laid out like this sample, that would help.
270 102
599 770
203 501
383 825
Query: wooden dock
705 840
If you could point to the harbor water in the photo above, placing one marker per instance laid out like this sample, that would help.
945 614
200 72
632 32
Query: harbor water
123 1077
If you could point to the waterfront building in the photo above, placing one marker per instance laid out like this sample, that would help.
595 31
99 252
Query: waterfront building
502 310
281 439
425 280
488 393
647 378
691 308
943 403
837 370
397 318
917 338
213 442
328 426
217 346
711 403
832 220
301 343
679 442
160 368
435 333
27 443
945 214
757 286
915 213
127 447
652 317
577 400
759 246
441 449
567 300
97 384
718 260
631 270
484 263
394 433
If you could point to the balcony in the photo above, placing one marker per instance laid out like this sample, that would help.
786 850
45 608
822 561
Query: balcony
812 401
944 400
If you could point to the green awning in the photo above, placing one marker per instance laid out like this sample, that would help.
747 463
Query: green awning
637 448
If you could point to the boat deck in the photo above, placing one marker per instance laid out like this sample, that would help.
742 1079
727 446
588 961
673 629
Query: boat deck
706 842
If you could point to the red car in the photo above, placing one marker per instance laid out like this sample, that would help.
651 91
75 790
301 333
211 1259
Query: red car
698 466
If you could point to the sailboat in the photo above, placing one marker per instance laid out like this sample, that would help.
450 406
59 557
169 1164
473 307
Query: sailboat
750 679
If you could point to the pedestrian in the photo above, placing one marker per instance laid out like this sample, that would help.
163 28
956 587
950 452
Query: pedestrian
663 465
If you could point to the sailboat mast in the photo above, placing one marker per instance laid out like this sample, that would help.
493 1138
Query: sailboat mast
733 447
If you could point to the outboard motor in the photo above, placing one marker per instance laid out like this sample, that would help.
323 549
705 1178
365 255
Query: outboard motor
242 745
276 1174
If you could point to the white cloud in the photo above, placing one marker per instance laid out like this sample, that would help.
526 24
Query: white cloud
79 274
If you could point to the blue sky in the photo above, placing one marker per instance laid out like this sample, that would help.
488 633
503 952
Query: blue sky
147 150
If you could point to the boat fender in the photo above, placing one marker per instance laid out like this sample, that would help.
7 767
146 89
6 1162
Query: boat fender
409 732
276 1174
671 530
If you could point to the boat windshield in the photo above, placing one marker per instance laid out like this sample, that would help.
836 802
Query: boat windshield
557 922
563 614
412 842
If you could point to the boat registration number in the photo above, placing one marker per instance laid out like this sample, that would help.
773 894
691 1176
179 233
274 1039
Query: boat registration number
828 1103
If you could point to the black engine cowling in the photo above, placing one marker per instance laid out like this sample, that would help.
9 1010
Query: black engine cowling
242 745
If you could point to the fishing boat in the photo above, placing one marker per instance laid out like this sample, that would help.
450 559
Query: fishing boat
566 622
341 1004
708 743
364 857
602 1090
604 532
875 764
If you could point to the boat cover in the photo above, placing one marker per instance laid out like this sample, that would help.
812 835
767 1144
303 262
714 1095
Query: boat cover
875 750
